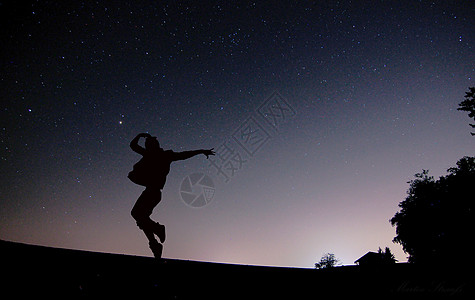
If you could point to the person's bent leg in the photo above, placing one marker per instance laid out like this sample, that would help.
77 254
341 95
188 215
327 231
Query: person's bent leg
143 209
141 212
154 245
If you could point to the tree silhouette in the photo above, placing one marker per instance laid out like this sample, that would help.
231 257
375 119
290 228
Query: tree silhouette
435 219
386 256
469 105
328 260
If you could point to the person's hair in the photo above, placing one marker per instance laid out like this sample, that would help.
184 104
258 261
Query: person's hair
151 142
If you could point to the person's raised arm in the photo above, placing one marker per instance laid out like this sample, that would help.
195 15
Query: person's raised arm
187 154
134 144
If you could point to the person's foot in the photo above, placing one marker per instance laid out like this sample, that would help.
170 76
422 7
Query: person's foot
156 248
159 230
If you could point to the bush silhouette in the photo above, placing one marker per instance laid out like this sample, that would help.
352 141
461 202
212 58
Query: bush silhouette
328 260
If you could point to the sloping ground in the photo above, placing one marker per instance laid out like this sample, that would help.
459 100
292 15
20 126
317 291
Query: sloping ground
35 271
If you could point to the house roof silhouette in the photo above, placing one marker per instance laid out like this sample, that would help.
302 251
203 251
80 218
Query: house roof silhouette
370 258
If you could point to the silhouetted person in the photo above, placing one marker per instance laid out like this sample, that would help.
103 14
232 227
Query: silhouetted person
151 171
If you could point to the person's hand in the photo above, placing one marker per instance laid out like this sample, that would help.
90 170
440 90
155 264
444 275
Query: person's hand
144 135
208 152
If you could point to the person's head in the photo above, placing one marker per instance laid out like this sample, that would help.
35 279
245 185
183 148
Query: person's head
151 143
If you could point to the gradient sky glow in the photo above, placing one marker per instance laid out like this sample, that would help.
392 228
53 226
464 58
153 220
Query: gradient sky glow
374 87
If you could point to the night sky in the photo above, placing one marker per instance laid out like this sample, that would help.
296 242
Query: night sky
319 113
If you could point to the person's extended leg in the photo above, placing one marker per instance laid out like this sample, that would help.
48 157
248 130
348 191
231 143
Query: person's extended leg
154 245
141 213
143 209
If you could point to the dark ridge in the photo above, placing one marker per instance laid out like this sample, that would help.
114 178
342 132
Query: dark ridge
34 271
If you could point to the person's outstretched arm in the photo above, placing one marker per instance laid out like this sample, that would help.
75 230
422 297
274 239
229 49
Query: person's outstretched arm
134 144
187 154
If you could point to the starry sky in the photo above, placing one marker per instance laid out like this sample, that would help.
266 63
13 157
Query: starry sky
320 113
